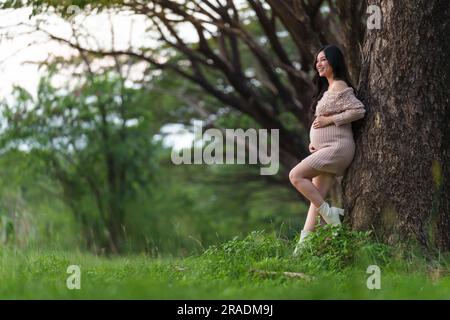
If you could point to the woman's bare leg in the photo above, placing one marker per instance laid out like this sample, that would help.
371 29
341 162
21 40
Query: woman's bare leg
301 176
323 183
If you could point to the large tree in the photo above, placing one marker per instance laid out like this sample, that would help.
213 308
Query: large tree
399 182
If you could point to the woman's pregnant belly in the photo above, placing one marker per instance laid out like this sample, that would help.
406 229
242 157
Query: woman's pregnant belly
331 135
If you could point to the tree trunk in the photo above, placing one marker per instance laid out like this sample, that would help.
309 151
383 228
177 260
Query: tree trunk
398 184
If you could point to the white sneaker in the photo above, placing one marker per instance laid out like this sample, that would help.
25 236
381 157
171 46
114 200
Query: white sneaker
330 214
301 243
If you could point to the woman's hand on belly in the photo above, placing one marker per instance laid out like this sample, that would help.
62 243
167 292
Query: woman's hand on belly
322 121
312 149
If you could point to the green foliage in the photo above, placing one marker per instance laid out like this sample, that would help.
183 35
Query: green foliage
331 251
195 207
335 248
95 141
188 208
7 232
233 258
29 199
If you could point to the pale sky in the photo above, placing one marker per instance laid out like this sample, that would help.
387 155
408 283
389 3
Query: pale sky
17 52
14 53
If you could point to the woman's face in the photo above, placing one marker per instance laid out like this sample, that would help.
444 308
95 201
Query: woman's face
322 65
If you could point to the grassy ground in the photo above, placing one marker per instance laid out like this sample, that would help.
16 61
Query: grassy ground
333 266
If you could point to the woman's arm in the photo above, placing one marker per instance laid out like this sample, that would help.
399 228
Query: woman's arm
348 116
354 109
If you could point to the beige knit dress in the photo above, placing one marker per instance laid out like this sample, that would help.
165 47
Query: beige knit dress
334 144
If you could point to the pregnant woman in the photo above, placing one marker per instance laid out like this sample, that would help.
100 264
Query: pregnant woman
332 146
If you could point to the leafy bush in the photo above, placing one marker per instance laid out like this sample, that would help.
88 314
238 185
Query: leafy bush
329 250
236 257
335 248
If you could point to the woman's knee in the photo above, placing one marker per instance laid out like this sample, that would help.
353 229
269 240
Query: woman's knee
296 176
292 175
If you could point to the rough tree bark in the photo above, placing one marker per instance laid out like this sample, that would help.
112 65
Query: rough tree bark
399 182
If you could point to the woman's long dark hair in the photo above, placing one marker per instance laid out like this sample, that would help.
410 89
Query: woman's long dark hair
336 60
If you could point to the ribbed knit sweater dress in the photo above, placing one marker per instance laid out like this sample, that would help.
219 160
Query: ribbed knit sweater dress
334 144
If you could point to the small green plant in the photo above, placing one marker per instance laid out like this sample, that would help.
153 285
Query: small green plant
256 245
335 248
234 258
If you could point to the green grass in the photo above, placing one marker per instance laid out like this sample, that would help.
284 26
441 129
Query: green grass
337 259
